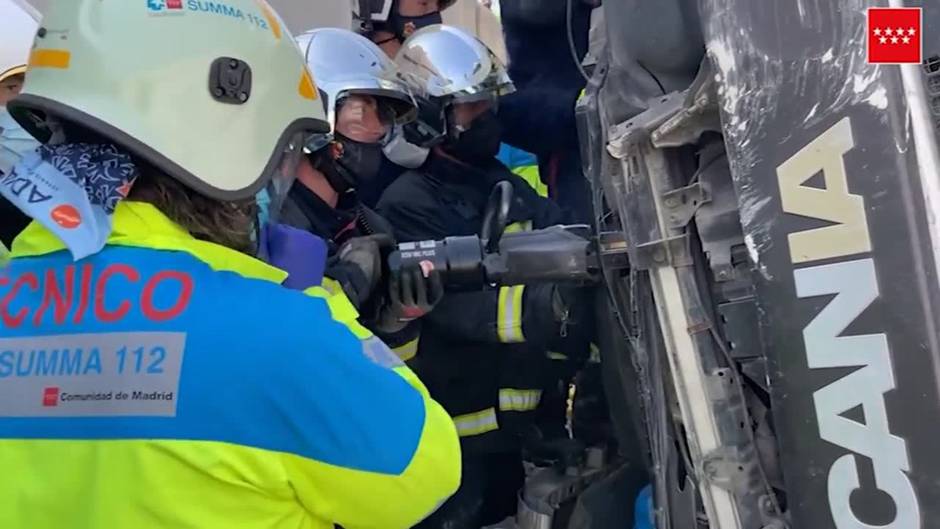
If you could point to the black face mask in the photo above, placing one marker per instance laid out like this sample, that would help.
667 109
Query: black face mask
360 162
403 26
480 143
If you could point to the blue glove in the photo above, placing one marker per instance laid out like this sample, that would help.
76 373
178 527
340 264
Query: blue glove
299 253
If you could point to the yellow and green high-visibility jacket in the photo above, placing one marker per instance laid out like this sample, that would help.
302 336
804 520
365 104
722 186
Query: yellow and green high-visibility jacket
167 382
524 164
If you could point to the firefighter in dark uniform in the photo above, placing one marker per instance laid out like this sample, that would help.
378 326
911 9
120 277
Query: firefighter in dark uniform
364 100
483 355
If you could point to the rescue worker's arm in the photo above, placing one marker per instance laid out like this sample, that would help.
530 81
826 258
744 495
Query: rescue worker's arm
393 459
404 342
550 128
410 296
412 222
510 314
543 211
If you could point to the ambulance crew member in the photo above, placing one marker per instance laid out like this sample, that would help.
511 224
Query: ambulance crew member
152 373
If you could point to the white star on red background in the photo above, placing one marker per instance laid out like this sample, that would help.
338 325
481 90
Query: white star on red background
896 34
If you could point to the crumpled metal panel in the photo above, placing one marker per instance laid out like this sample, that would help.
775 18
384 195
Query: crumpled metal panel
836 183
655 47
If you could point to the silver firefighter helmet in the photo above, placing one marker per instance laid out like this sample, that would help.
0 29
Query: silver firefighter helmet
444 65
346 64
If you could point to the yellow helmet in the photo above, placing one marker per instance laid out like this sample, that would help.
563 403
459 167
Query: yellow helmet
210 93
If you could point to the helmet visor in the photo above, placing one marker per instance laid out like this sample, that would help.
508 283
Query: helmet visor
365 119
272 199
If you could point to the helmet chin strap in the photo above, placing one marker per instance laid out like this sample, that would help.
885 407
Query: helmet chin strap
390 39
325 161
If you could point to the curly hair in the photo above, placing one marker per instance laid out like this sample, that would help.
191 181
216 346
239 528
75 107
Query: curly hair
230 224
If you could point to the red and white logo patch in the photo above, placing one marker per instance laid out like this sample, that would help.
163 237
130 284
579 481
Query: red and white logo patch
66 216
894 35
50 397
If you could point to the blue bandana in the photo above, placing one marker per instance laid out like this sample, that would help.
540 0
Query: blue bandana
72 189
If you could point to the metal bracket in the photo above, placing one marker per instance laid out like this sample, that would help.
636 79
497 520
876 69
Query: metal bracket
698 115
614 250
932 82
720 384
725 468
769 512
741 325
673 251
682 204
688 125
624 136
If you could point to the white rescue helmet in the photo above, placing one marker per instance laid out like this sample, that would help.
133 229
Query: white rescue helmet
18 24
213 98
345 63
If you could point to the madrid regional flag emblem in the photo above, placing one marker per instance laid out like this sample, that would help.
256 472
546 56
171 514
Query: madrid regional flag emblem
894 35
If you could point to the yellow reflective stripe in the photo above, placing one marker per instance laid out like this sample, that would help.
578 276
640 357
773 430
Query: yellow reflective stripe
408 351
142 225
476 423
518 227
341 308
519 399
557 356
509 314
49 58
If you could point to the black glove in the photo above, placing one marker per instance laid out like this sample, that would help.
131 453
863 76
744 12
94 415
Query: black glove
358 266
411 295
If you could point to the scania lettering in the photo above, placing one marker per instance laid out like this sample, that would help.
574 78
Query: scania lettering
854 285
